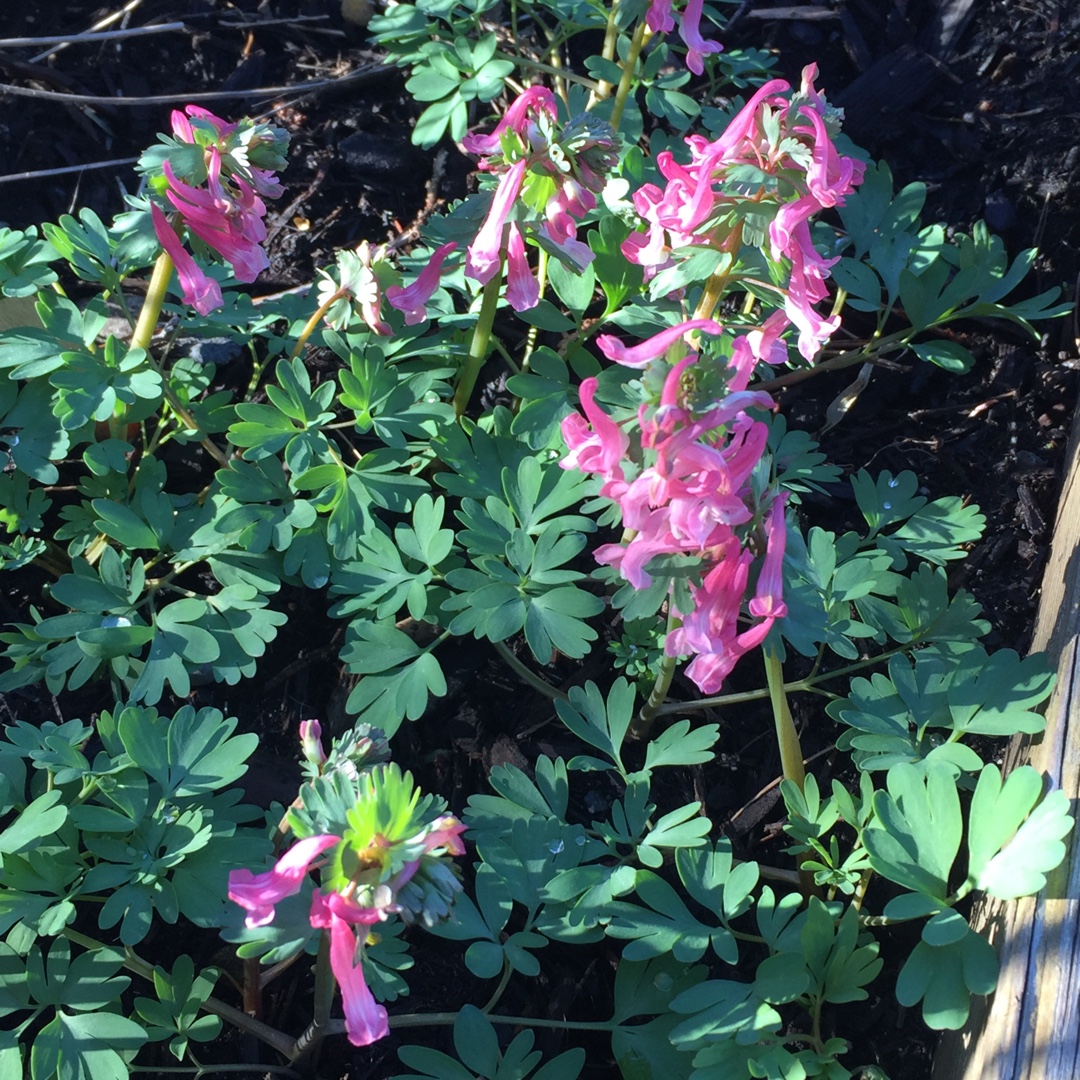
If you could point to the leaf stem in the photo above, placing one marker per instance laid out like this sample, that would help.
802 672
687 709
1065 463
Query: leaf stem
643 722
534 680
278 1040
787 738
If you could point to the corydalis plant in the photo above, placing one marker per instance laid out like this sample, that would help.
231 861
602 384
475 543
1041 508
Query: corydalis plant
384 858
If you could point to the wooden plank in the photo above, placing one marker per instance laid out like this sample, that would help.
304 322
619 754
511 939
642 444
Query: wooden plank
1030 1028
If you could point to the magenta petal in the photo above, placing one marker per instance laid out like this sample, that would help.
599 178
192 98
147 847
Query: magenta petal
522 288
639 355
202 292
413 299
365 1020
259 893
483 260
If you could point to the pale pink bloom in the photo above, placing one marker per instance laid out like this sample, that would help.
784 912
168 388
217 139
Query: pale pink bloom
805 288
599 450
516 119
690 31
639 355
365 1019
413 298
259 893
522 288
483 260
768 600
202 292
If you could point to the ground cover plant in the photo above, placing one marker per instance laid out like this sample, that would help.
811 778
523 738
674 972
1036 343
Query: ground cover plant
636 494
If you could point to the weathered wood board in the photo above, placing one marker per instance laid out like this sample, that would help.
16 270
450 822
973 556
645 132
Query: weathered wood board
1030 1028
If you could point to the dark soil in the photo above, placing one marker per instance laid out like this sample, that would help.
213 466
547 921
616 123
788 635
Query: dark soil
973 99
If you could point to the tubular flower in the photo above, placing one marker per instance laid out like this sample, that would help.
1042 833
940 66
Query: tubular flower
259 893
638 356
365 1020
203 293
413 299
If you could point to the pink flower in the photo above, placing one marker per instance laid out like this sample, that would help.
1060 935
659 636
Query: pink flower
202 292
522 288
599 450
230 225
413 299
768 602
259 893
639 355
659 17
515 119
483 260
690 31
365 1020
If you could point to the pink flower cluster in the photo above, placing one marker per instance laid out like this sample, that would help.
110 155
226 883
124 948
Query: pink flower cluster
339 911
660 19
776 153
554 176
226 214
693 497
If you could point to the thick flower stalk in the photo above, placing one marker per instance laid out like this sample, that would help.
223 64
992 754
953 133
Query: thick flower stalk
212 177
776 153
547 182
691 495
387 859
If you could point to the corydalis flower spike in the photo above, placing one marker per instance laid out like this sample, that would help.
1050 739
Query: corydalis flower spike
258 894
516 119
639 355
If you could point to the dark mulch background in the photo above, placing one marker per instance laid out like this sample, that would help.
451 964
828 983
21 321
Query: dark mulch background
974 99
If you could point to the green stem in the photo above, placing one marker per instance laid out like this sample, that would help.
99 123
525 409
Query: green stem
278 1040
611 37
435 1019
500 989
534 680
479 345
156 291
623 92
787 738
317 317
550 69
862 355
643 722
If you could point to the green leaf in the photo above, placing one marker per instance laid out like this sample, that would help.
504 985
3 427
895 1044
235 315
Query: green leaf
193 753
39 820
944 977
1013 844
916 833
